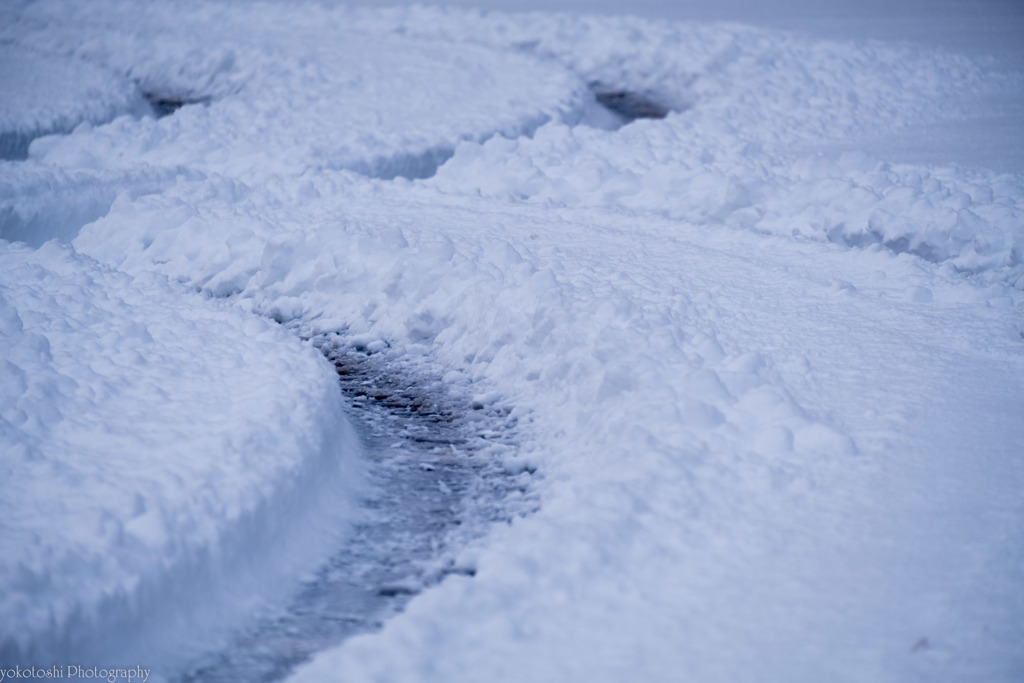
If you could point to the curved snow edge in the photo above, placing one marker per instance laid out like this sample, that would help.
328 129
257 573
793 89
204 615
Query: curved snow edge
46 94
172 464
173 615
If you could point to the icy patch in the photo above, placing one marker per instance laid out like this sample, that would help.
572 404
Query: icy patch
165 105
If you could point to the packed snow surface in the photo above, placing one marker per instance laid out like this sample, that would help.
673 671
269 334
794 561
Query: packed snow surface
764 365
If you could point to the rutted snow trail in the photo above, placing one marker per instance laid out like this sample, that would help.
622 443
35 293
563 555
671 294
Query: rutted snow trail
434 487
768 376
201 516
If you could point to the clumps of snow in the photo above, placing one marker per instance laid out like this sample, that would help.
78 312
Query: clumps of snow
972 219
161 457
778 87
482 304
277 106
44 93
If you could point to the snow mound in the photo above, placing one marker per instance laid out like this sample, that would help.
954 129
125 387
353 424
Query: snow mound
971 219
43 93
780 88
336 98
753 110
155 446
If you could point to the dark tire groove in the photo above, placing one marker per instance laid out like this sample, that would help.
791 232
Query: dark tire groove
433 491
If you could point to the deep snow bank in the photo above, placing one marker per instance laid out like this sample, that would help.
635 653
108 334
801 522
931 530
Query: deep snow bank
155 447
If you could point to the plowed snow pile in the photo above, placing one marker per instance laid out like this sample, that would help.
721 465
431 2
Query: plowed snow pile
766 379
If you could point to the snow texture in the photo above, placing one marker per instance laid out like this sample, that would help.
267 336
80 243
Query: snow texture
44 93
366 102
151 440
766 374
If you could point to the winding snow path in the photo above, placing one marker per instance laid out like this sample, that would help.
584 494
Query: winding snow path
764 369
432 489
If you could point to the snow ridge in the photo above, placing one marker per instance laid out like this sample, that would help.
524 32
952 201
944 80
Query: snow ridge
117 513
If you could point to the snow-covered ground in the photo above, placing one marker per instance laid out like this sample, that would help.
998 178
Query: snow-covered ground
157 446
763 356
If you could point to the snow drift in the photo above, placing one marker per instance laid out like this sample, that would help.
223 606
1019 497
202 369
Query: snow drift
147 468
767 374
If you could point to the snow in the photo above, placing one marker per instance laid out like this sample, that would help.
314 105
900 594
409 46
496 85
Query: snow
278 105
150 438
45 93
972 220
764 363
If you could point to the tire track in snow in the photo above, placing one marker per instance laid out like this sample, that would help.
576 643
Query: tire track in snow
432 494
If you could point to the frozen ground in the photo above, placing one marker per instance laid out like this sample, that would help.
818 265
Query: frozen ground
750 372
